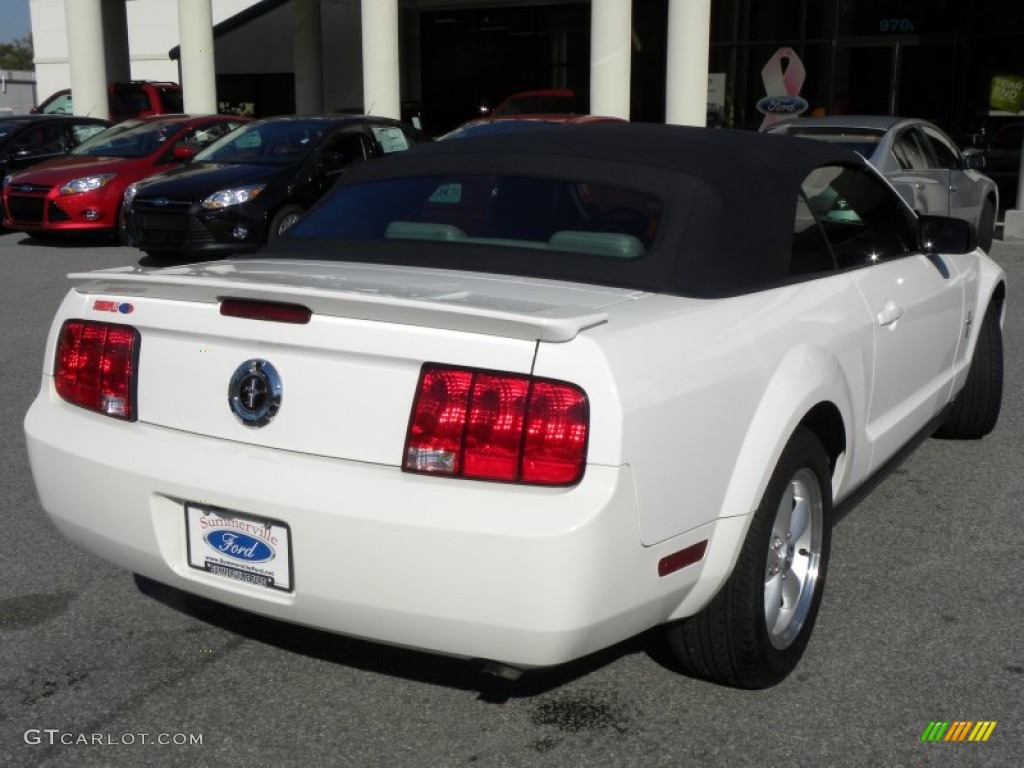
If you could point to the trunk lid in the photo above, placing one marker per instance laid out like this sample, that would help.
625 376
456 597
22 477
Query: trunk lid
349 376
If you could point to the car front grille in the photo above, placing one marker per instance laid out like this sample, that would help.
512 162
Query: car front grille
26 209
56 213
167 228
147 204
29 188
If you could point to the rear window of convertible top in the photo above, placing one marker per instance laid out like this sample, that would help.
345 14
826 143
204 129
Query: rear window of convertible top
494 210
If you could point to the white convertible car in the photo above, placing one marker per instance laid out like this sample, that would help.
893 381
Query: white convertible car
517 398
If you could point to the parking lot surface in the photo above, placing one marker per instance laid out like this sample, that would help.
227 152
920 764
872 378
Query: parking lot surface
922 621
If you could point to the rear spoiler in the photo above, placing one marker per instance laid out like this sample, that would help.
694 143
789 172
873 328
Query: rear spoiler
455 312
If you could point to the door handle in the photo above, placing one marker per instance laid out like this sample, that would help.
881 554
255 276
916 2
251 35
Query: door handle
889 313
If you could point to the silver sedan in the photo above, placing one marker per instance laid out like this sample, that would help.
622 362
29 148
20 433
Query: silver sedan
921 162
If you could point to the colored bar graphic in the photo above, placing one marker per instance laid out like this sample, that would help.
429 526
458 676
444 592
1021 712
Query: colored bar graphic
958 730
982 731
935 730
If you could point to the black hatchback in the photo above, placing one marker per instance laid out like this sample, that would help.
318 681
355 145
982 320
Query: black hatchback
29 139
253 184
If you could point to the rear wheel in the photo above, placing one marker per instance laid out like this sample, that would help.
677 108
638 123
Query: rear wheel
753 633
976 410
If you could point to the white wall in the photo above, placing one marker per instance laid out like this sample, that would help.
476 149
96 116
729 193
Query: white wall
152 32
50 40
262 46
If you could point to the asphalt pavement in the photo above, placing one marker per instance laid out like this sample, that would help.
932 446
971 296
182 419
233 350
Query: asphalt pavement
922 621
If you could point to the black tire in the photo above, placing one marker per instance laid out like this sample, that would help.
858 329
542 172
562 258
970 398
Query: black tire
741 638
283 220
987 225
975 411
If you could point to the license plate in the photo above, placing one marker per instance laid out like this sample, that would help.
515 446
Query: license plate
239 547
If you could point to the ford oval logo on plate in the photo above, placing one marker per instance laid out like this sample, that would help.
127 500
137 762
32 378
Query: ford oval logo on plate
782 105
240 546
249 550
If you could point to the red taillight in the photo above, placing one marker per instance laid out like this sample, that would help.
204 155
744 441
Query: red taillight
95 367
497 426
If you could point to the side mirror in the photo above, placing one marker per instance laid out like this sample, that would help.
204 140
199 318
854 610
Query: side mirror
182 153
974 160
23 157
940 234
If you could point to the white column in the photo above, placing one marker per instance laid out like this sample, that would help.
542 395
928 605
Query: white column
308 53
115 41
86 58
198 79
611 49
686 76
381 84
1013 220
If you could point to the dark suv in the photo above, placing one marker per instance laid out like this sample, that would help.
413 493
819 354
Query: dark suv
139 98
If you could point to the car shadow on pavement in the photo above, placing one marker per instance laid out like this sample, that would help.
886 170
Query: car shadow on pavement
419 666
64 240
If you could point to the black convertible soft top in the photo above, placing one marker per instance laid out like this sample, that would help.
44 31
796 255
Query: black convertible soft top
729 202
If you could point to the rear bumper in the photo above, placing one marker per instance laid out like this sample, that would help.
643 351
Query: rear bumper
526 576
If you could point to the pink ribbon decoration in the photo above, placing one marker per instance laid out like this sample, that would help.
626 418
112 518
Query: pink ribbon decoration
783 77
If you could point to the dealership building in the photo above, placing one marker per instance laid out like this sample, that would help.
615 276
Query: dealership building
957 62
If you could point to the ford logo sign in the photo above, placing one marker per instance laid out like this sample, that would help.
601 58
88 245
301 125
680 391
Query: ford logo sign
240 546
161 201
782 105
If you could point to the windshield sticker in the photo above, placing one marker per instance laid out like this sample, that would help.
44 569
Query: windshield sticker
447 193
390 139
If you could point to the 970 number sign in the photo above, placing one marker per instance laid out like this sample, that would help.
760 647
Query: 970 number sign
896 25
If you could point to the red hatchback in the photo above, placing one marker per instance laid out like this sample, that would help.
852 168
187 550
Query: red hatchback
82 191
